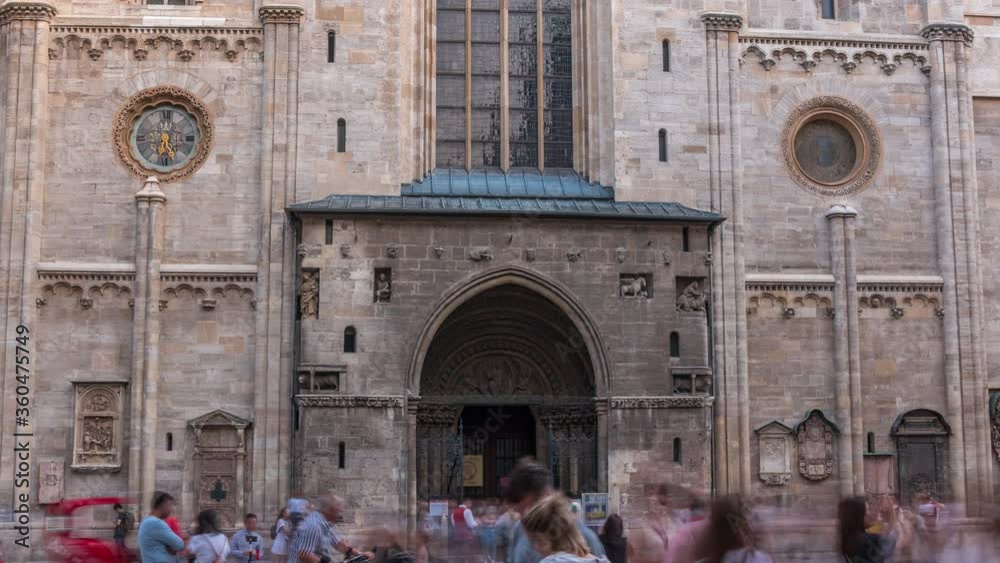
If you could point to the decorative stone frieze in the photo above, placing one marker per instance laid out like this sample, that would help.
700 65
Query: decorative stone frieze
181 42
335 401
948 31
281 14
695 402
849 54
722 21
38 11
97 432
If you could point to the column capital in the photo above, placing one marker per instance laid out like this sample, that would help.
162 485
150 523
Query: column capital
722 21
948 31
841 210
150 192
281 13
15 10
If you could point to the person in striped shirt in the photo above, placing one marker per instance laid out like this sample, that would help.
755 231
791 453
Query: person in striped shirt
315 538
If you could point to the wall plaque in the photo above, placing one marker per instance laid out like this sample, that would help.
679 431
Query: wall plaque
816 445
97 433
775 445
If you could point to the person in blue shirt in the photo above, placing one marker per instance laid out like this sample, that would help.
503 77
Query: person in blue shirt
529 484
157 542
247 545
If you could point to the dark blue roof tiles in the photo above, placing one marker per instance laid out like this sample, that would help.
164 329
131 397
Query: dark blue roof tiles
516 183
505 206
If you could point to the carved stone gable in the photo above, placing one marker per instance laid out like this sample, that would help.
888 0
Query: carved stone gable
775 445
816 435
97 434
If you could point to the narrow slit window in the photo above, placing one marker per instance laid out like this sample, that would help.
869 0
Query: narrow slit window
871 442
663 145
341 454
686 239
170 441
341 135
675 345
666 55
329 231
331 47
350 340
829 10
677 450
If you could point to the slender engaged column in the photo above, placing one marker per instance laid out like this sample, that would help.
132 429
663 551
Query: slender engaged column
24 38
841 341
276 261
958 249
732 407
151 203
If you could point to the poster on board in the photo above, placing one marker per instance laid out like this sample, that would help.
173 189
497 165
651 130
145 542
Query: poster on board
595 508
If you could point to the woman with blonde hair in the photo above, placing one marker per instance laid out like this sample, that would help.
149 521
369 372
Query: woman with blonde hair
553 531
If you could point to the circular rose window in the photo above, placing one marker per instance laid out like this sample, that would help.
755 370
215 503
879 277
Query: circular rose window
831 146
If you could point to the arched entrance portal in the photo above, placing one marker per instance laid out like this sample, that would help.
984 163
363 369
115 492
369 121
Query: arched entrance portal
507 375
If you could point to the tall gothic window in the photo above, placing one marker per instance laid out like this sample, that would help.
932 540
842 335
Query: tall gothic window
492 62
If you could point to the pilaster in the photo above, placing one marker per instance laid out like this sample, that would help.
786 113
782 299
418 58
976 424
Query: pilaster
24 39
953 152
732 414
276 263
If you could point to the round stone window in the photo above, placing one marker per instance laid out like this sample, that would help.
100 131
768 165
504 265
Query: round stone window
831 146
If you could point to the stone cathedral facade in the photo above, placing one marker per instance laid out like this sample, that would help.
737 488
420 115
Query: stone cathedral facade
387 247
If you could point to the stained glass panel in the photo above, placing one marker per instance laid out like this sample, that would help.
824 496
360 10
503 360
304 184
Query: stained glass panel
451 84
558 100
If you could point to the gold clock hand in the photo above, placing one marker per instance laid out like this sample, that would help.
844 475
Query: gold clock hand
165 145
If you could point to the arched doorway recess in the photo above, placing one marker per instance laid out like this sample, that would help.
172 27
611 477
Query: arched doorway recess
506 374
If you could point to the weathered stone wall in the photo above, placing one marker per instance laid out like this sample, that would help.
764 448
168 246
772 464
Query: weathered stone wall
372 481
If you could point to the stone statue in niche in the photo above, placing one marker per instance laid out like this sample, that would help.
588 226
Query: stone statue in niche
815 437
383 288
692 299
309 303
633 286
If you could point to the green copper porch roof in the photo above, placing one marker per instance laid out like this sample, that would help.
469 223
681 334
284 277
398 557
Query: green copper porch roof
565 184
569 208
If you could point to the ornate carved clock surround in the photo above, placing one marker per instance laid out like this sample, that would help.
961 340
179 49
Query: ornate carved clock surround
135 108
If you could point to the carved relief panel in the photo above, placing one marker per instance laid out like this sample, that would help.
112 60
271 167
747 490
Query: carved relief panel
816 436
50 481
97 433
219 460
995 423
774 441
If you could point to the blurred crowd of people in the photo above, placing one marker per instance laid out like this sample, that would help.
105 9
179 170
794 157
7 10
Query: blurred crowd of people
533 524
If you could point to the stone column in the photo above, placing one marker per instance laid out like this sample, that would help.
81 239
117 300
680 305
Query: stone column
732 420
953 151
276 261
24 40
847 359
151 205
601 407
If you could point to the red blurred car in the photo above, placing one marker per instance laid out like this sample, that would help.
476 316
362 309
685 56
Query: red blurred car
64 540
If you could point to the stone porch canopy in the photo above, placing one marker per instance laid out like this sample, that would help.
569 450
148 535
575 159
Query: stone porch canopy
560 194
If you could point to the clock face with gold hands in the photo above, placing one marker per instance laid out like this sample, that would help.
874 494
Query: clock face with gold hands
165 137
164 131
